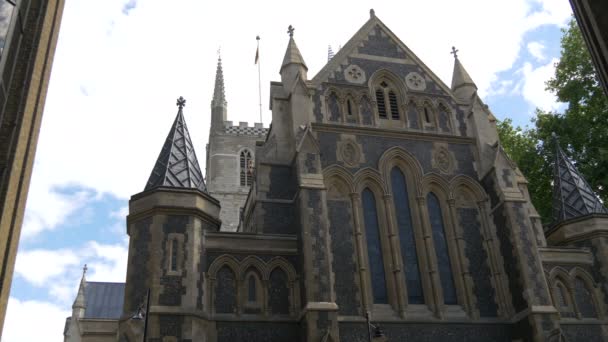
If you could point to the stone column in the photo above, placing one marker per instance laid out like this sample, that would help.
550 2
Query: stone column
437 296
398 270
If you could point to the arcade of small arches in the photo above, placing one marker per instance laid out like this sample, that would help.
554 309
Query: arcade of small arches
252 286
410 250
575 294
385 103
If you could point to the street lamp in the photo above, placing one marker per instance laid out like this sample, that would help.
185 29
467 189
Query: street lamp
143 314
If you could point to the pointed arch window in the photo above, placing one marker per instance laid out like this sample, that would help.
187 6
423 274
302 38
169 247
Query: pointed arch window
387 101
252 295
584 299
441 249
374 247
246 163
409 256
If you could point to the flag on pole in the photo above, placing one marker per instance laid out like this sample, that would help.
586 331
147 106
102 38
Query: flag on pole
257 51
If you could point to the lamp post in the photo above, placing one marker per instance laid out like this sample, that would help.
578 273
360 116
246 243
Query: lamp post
143 314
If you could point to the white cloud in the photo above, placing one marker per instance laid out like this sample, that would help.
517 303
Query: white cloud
31 320
536 50
38 266
59 270
533 85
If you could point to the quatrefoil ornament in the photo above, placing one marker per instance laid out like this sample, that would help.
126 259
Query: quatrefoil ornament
354 74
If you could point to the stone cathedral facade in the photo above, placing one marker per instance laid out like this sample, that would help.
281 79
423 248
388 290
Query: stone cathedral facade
377 193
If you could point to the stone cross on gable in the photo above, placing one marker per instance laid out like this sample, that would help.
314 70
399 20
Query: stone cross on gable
290 30
181 102
84 269
454 51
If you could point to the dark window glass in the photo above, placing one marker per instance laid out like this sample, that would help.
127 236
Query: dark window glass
441 248
427 117
349 107
251 291
392 99
381 104
406 238
584 299
278 293
174 255
374 247
225 291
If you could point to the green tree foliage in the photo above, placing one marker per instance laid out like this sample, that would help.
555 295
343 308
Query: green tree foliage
523 147
582 128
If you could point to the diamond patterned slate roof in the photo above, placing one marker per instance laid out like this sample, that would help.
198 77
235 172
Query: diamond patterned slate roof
246 130
104 300
572 195
177 165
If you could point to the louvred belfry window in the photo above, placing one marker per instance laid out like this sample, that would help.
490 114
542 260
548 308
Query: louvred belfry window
246 172
387 101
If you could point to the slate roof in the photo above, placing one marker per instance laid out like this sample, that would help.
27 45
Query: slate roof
177 166
572 195
104 300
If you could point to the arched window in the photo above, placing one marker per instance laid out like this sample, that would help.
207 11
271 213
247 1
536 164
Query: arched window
406 237
278 293
252 295
562 299
246 168
444 119
374 247
412 115
174 255
385 91
351 110
584 299
441 248
225 291
366 110
334 107
428 116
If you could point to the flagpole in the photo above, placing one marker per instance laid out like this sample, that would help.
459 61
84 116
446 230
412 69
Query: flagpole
259 79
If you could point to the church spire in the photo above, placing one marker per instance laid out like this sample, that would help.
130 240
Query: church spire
177 166
462 84
219 97
572 195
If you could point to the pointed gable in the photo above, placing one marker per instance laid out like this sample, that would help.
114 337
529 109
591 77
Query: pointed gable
375 42
572 195
177 166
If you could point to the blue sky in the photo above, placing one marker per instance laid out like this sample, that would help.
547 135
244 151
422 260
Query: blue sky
120 65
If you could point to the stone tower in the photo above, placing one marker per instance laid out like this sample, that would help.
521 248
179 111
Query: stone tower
166 225
230 156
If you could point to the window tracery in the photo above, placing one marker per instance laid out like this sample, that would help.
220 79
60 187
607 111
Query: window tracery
441 249
246 168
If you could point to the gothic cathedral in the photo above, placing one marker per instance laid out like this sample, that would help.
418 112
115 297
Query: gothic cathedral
379 206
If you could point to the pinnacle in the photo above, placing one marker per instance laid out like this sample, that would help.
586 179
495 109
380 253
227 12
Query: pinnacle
292 55
219 97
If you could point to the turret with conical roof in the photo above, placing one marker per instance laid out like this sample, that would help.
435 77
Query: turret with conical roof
293 64
176 165
219 106
463 86
573 197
